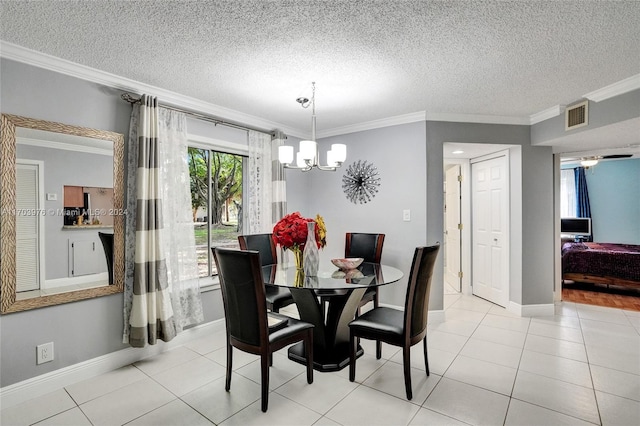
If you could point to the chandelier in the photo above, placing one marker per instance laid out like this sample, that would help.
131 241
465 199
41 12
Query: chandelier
308 155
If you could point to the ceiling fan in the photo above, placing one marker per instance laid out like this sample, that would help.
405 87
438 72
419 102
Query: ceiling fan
592 160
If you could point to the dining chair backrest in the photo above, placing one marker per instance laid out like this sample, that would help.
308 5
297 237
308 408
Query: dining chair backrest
107 244
366 246
262 243
243 295
418 289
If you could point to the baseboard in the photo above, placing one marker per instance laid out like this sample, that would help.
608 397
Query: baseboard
531 310
40 385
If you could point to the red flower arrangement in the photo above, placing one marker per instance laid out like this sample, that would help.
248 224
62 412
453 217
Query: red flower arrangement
291 231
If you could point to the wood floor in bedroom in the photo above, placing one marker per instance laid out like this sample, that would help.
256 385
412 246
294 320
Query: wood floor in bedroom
593 294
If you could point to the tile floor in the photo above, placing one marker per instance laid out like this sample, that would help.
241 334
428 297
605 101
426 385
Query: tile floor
488 367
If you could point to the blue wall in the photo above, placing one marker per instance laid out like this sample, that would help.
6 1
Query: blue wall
614 193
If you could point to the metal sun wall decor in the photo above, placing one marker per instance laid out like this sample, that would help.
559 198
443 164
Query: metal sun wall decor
360 182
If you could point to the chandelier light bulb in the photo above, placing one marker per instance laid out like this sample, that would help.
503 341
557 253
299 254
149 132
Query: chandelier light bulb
308 150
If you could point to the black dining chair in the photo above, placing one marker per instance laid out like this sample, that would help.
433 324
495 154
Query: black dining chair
247 321
368 247
107 244
277 297
396 327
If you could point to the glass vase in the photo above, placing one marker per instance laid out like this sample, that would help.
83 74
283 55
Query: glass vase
311 255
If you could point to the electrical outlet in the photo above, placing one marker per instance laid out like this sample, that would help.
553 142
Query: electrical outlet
44 353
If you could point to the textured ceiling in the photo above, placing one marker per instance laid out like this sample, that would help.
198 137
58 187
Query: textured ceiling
370 59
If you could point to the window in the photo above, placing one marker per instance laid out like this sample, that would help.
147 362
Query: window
216 202
567 193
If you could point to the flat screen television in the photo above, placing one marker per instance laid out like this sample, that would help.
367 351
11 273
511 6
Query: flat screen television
576 226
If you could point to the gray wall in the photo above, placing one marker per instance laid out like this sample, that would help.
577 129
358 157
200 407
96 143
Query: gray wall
80 330
410 162
398 152
532 259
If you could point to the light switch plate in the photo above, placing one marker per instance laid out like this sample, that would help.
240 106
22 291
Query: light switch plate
52 197
406 215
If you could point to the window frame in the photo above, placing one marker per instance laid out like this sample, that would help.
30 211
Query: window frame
212 282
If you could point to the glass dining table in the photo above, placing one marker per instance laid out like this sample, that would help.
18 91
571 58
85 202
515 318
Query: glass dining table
343 291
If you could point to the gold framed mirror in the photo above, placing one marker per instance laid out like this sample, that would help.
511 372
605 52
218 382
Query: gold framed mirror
10 267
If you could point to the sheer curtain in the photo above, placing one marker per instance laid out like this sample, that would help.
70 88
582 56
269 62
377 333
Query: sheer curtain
162 293
567 193
179 244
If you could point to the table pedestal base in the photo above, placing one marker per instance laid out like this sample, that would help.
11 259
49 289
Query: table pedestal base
331 329
335 360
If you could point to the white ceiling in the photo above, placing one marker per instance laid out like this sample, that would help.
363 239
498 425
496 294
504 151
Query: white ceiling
371 60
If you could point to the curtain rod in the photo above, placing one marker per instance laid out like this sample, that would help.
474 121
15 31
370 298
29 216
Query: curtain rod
133 100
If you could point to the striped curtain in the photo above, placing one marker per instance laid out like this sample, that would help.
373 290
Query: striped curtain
260 187
162 293
279 184
279 191
151 315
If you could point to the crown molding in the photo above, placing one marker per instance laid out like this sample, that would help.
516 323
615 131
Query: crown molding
615 89
548 113
42 60
64 146
423 116
478 118
375 124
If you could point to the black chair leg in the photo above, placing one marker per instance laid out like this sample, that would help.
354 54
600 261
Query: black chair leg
308 349
406 360
227 385
426 357
264 363
376 304
352 358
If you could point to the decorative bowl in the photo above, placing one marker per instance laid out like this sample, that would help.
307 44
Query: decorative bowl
348 263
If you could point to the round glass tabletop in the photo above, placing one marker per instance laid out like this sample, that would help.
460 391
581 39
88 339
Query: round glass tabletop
331 278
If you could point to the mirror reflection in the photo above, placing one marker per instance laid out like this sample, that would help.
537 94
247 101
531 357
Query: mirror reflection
68 219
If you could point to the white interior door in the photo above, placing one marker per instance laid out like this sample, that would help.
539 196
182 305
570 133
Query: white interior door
452 228
28 226
490 217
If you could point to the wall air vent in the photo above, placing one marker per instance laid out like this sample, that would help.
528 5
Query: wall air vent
576 115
